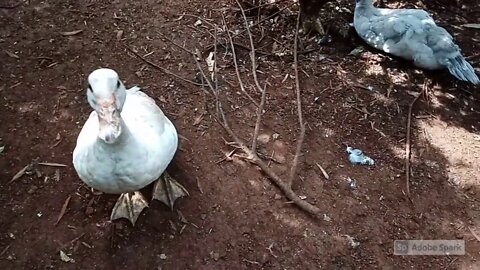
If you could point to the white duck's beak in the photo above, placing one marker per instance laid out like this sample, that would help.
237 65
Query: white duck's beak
109 120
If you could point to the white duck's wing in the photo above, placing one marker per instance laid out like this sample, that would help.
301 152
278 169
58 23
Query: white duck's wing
141 111
442 44
148 123
420 14
400 32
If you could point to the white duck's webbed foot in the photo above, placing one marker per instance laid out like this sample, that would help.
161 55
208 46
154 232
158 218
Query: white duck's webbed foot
168 190
129 206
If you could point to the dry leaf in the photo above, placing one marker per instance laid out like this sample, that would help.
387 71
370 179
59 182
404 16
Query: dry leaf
71 33
357 51
64 257
20 173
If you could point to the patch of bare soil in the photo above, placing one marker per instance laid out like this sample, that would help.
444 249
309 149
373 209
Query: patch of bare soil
235 218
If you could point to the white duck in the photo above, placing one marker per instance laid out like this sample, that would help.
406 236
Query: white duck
126 144
413 35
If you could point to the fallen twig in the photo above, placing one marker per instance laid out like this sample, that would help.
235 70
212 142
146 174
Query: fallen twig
4 250
52 164
176 44
474 234
260 110
407 144
164 70
252 52
64 209
71 241
71 33
325 174
235 62
293 169
251 262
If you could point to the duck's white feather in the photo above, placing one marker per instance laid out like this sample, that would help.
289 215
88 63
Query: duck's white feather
144 150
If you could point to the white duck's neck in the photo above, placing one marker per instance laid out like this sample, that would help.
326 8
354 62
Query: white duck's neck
123 140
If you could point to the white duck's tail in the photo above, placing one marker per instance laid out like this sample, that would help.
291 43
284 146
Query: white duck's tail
460 68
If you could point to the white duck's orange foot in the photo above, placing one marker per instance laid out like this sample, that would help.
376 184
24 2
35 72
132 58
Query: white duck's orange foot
129 206
168 190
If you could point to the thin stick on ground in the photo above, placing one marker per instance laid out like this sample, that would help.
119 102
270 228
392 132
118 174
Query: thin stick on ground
298 151
164 70
407 144
215 78
235 62
259 118
252 47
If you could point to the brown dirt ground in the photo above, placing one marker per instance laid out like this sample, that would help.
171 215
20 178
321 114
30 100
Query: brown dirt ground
236 218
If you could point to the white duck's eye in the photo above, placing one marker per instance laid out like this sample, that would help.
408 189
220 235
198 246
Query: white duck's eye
90 88
118 84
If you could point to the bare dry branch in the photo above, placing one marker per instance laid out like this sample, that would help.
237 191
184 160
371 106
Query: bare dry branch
260 110
164 70
277 180
251 154
252 47
235 62
298 151
407 144
176 44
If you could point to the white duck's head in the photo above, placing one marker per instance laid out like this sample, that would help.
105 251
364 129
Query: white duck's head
106 94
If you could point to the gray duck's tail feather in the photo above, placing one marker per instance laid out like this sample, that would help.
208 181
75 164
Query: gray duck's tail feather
460 68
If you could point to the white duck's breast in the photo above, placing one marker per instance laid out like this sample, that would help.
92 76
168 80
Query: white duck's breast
139 158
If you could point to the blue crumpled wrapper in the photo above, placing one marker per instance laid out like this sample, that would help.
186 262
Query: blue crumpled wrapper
356 156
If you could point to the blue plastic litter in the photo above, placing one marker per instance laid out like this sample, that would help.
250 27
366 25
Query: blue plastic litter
356 156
